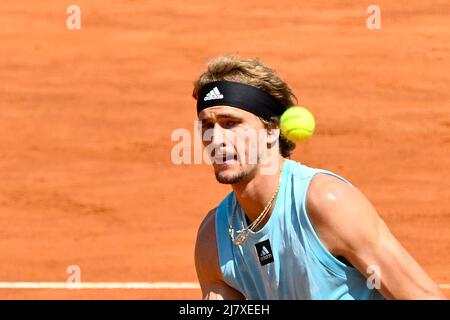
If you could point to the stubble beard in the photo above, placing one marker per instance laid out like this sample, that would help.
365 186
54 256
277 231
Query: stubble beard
239 176
235 178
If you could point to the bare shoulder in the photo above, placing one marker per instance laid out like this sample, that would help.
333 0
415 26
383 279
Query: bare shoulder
207 263
206 258
339 212
327 192
207 231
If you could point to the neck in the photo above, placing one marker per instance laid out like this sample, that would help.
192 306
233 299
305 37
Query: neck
254 194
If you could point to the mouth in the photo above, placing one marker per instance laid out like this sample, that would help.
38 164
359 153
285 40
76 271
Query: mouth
225 159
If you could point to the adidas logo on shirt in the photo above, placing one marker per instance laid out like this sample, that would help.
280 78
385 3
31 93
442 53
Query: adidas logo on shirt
214 94
264 252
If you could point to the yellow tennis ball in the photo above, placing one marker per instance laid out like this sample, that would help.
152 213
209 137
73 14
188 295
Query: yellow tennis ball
297 123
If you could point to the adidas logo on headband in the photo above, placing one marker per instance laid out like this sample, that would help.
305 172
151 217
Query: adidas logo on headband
214 94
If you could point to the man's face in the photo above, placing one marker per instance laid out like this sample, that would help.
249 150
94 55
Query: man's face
233 137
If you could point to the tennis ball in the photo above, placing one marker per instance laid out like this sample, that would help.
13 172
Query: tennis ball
297 123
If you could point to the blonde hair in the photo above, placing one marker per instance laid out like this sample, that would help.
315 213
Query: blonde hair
251 72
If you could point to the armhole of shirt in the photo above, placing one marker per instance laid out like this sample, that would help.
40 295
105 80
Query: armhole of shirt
329 261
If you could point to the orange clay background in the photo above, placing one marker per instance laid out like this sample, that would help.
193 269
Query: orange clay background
86 118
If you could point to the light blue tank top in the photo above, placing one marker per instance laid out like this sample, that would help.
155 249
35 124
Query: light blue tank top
285 259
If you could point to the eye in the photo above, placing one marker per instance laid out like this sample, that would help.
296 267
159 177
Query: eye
230 123
206 125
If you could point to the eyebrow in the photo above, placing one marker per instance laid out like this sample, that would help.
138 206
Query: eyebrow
223 115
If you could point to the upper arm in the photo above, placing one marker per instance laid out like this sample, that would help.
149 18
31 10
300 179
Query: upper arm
207 263
349 226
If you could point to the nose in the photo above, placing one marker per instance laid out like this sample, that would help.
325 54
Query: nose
218 137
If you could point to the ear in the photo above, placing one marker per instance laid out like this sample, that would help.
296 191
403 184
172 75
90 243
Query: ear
273 135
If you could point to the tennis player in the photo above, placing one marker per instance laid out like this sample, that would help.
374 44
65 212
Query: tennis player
298 232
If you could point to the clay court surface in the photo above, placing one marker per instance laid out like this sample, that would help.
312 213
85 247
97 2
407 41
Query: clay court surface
86 118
